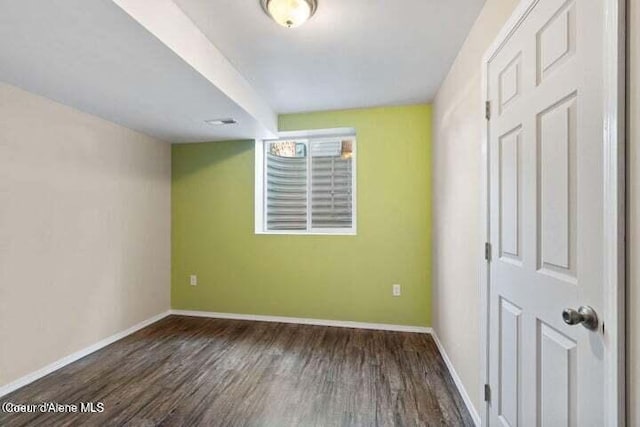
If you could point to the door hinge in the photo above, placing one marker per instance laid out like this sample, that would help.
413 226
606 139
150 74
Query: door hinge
487 110
487 393
487 251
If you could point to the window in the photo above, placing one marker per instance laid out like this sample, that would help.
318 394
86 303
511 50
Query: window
306 184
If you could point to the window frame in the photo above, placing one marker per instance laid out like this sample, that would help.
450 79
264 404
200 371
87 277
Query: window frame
306 137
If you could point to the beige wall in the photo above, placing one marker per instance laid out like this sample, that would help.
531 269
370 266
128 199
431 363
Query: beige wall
457 244
634 213
84 230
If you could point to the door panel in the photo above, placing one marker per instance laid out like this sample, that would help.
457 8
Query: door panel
510 82
546 204
557 367
510 363
510 200
556 144
556 41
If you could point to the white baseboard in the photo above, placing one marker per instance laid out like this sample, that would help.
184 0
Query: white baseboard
456 379
304 321
29 378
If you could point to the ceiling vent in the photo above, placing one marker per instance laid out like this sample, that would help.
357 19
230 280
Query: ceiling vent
220 122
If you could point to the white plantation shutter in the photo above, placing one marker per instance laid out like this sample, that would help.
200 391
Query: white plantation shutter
286 193
331 186
309 186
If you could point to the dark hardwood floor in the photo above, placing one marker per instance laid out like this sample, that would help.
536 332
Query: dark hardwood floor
185 371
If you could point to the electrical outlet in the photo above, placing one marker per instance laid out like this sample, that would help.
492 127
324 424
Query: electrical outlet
193 280
396 290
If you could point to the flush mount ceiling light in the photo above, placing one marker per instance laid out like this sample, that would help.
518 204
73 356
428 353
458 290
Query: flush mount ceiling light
290 13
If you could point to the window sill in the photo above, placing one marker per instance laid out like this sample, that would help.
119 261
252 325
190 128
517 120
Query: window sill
308 233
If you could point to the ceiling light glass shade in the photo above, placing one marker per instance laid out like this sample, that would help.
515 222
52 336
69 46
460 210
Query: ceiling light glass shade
290 13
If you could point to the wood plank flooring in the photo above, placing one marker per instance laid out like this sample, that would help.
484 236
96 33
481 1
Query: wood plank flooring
186 371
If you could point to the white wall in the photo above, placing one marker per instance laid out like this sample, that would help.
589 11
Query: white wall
458 126
84 230
634 214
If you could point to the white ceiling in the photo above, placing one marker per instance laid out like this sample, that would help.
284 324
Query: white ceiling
94 56
352 53
163 67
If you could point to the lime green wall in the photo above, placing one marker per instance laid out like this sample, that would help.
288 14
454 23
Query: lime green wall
322 277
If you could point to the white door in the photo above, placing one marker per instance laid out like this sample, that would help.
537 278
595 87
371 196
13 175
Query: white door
545 84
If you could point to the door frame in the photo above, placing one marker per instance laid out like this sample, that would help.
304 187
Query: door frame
614 214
